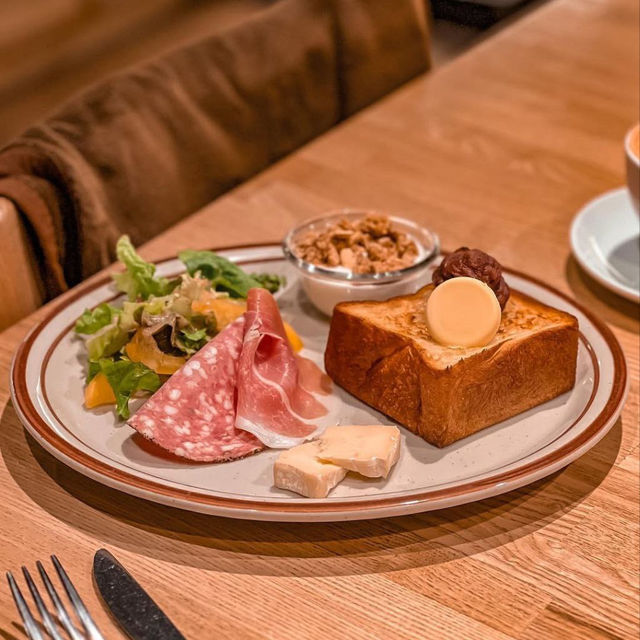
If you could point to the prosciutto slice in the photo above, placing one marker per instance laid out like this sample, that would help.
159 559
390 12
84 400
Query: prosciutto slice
312 377
272 404
193 413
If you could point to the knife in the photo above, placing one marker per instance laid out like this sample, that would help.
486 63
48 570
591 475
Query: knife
132 607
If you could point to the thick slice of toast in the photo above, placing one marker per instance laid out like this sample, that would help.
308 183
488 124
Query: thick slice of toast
382 353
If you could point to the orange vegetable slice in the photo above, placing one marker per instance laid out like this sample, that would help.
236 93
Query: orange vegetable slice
98 392
226 310
143 348
294 339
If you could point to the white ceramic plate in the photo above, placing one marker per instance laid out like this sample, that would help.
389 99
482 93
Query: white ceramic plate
47 391
605 239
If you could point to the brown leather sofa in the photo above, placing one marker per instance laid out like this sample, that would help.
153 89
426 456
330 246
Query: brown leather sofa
73 190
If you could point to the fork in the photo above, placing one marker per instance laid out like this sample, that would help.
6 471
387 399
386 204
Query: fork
32 627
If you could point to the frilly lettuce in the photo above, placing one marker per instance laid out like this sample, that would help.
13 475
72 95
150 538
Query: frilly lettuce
139 280
132 311
192 341
92 321
107 341
185 293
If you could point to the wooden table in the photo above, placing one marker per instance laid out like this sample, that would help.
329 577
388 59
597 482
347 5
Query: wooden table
497 150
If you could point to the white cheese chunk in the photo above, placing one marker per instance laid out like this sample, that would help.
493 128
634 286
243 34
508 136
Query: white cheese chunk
300 470
368 450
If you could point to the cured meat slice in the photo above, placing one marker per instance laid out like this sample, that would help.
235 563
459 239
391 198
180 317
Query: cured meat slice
272 403
193 413
312 377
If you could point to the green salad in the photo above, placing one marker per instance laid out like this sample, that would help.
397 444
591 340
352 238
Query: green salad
133 347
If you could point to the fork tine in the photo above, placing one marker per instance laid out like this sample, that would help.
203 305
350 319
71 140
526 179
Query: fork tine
47 621
30 625
76 601
63 616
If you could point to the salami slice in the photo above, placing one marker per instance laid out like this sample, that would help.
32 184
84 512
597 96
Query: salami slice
193 414
272 402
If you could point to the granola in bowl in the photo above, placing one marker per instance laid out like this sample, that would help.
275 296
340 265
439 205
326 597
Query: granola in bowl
359 255
370 244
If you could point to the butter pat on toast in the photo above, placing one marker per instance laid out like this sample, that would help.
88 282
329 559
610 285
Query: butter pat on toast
382 353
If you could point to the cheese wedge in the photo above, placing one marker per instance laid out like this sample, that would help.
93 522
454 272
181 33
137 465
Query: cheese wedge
370 450
300 470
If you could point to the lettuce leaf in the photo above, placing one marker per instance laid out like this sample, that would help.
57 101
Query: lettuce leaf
270 281
222 273
132 312
127 377
185 293
139 280
194 340
93 371
93 320
107 341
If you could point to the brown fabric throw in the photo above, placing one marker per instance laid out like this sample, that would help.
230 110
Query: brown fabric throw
381 45
139 152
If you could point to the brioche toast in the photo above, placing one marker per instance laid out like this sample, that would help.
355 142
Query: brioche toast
382 353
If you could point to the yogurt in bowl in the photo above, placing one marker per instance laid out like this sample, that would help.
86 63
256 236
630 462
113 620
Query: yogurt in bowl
352 254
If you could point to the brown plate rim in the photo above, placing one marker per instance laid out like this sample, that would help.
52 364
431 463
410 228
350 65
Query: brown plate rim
29 413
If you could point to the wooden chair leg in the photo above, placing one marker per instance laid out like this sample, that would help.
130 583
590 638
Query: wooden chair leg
20 283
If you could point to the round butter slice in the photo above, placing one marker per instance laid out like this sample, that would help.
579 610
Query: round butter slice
463 312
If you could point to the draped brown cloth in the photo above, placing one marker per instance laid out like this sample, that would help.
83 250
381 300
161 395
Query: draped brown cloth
142 150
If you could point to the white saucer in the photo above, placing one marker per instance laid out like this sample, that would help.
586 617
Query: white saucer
605 239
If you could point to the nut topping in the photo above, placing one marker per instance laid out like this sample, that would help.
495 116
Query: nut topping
367 245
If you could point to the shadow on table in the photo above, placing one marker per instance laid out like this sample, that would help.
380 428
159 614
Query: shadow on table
607 305
119 521
16 629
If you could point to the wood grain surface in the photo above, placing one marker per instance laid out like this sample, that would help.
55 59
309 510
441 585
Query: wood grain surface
497 150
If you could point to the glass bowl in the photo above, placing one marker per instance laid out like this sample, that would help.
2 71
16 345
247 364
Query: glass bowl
326 286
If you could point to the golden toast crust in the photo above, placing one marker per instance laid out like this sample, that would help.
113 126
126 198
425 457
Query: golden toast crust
382 353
